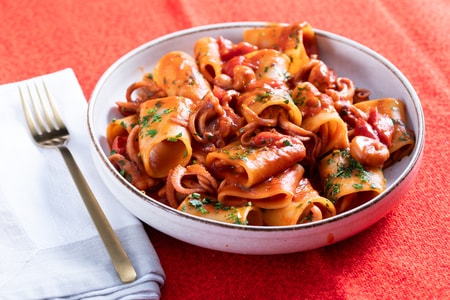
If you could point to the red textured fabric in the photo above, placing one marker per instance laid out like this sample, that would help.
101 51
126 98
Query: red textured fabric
404 256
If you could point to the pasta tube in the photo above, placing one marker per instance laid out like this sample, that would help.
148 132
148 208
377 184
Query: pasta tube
347 182
178 75
271 64
289 39
265 101
248 165
164 141
275 192
306 206
206 53
120 127
321 117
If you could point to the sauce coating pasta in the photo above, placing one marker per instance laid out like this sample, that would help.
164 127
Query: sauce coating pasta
256 132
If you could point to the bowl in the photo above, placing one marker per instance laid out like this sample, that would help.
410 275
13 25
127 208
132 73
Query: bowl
349 58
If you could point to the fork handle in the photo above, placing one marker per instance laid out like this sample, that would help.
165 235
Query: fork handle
119 257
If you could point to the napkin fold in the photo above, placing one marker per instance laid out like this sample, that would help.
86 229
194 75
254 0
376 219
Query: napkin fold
49 246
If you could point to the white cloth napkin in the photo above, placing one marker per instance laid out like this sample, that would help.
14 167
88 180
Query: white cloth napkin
49 247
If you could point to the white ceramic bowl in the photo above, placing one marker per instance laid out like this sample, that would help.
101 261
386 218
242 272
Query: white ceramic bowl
350 59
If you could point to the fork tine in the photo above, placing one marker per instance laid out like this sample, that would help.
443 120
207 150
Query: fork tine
48 124
56 114
28 115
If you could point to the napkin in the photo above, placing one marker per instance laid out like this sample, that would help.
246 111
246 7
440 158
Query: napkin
49 246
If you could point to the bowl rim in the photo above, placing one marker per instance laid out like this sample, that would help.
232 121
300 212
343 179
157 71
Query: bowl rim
415 155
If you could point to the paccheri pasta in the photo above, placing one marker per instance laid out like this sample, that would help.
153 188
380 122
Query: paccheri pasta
256 132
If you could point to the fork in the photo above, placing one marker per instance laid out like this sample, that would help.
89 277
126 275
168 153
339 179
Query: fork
48 130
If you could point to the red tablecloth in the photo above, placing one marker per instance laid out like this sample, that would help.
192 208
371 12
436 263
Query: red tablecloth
404 256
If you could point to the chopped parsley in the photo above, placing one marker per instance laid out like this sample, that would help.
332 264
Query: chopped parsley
198 205
287 143
151 132
263 97
174 138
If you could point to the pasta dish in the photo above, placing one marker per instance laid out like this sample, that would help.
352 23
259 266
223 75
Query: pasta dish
256 132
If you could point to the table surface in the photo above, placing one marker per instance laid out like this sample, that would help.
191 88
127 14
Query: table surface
404 256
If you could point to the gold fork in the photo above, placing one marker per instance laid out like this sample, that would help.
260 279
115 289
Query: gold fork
50 131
